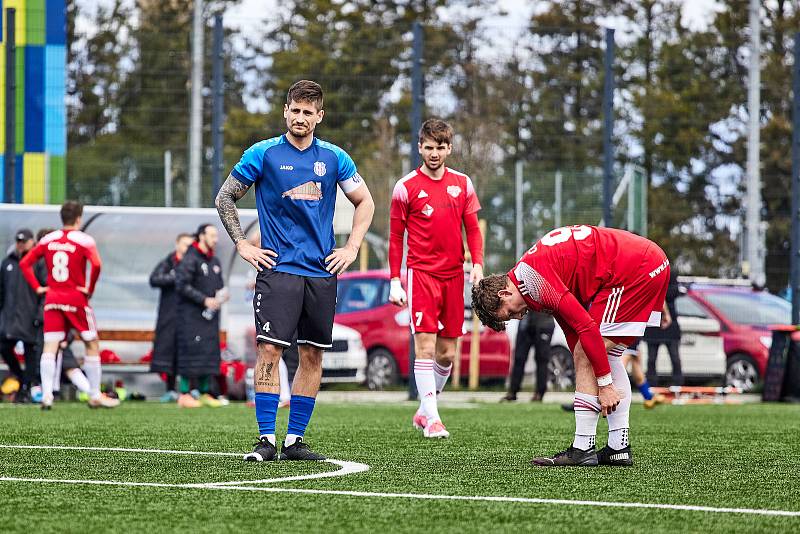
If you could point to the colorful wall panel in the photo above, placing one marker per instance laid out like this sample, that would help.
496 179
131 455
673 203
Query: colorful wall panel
41 125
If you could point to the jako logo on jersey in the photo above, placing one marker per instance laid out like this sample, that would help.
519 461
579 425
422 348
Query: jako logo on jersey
453 190
287 168
427 210
307 191
422 194
319 168
659 269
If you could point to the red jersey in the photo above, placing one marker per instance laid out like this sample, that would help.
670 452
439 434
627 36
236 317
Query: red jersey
432 211
570 267
67 254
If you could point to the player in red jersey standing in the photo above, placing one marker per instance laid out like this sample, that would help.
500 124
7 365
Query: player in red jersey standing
431 204
66 305
604 287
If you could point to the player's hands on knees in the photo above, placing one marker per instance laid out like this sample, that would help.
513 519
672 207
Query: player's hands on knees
476 275
609 399
340 259
256 256
397 295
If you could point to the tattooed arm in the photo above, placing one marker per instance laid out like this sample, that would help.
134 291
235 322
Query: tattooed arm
231 191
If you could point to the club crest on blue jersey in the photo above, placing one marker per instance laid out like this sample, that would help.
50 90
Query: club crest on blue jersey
319 168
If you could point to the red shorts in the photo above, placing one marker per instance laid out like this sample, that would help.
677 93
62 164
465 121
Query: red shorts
632 302
61 318
436 305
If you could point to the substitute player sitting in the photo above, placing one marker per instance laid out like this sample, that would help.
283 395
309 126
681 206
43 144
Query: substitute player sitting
431 204
67 253
604 287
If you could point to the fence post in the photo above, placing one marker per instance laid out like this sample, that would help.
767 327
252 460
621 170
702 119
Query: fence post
10 167
608 128
218 111
795 251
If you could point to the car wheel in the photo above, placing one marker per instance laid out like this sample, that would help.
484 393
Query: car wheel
560 370
742 372
381 369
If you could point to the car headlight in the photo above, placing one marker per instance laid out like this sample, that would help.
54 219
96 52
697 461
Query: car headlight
766 341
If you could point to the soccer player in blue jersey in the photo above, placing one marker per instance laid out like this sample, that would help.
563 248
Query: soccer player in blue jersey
295 177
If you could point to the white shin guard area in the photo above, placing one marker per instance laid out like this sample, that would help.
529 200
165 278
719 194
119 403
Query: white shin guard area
348 468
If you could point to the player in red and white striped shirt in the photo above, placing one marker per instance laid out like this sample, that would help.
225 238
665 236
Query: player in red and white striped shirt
68 254
604 287
431 204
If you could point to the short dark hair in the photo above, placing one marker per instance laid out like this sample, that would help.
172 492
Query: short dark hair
184 234
305 91
200 231
70 211
485 300
438 130
43 232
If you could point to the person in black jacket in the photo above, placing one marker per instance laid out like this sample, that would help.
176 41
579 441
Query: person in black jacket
20 312
669 334
198 281
535 330
165 340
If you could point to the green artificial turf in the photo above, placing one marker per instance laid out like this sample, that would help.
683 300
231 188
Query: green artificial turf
721 456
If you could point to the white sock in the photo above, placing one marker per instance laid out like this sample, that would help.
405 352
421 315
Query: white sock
286 388
618 420
91 366
77 377
270 438
441 374
426 386
57 372
290 439
587 413
47 373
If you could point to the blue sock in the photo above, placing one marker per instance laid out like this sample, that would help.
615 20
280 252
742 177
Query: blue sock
300 409
644 389
266 410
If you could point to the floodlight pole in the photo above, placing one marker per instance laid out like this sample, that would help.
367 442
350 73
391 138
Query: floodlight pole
218 111
196 108
755 246
608 128
10 167
794 260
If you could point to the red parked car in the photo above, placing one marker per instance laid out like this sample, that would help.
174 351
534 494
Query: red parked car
363 304
744 315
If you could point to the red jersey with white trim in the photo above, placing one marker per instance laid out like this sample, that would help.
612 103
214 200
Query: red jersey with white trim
432 212
67 254
580 260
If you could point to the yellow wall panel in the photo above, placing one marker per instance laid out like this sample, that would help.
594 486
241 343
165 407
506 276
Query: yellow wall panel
33 177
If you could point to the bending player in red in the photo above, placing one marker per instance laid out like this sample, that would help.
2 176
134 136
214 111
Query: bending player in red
431 204
66 305
603 286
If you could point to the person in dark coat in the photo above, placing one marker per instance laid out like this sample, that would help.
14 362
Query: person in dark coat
198 281
165 341
669 334
20 312
535 330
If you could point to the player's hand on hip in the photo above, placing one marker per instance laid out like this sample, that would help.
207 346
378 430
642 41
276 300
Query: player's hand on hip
476 275
609 399
42 290
256 256
340 259
211 303
397 295
84 290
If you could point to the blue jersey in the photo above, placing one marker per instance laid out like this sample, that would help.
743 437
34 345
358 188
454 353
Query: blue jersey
296 198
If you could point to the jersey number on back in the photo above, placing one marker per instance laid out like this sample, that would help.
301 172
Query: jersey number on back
60 269
561 235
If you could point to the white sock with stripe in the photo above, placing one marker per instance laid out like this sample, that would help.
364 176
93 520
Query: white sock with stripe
441 374
77 377
618 420
91 366
47 374
587 413
426 387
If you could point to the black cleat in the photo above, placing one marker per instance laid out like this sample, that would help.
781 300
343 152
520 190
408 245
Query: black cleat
46 407
509 397
299 451
621 457
571 456
263 451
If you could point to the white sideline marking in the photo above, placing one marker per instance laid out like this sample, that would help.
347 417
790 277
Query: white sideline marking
345 468
526 500
354 467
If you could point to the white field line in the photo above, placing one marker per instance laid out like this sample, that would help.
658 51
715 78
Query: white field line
422 496
353 467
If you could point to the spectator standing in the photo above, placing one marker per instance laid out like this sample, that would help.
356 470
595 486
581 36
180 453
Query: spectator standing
535 330
198 281
165 345
669 334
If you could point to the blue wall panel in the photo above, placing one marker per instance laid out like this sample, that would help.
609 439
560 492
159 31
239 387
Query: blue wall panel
18 180
34 98
55 22
55 120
